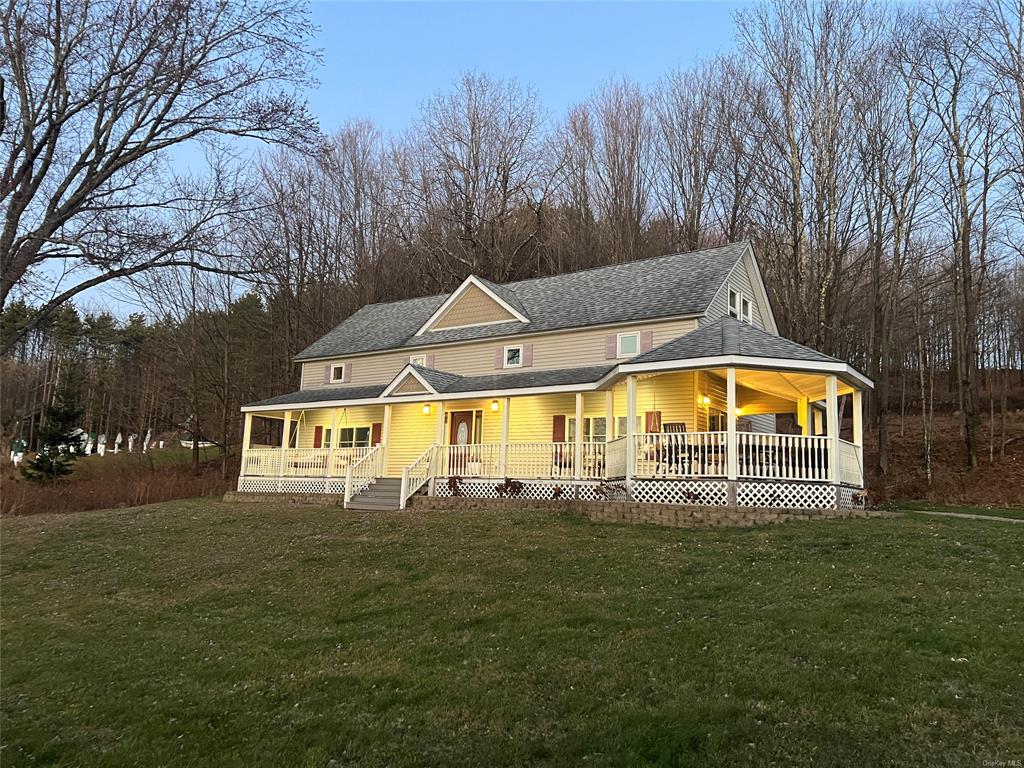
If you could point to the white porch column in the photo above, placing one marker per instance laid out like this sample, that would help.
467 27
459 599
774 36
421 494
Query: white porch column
503 448
385 431
832 426
731 463
285 434
609 415
858 418
577 460
439 433
246 439
332 445
630 429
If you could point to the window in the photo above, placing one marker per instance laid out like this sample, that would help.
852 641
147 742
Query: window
595 429
420 360
716 420
628 344
327 437
354 437
739 306
620 426
514 356
338 372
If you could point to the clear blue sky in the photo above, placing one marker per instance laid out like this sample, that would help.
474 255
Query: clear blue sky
381 60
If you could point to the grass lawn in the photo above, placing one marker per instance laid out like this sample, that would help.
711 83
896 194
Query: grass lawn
1014 512
200 633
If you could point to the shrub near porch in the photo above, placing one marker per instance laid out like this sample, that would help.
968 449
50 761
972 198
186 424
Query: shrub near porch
204 633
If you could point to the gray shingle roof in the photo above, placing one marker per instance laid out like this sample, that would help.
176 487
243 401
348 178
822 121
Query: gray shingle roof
728 336
449 383
323 394
665 286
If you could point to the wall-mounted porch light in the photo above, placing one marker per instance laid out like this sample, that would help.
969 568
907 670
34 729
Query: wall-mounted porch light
705 400
426 409
495 406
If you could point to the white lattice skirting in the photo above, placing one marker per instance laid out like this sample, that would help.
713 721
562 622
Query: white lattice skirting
706 493
313 485
782 495
531 489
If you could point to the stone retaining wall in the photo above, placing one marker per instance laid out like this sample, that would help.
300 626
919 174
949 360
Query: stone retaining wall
653 514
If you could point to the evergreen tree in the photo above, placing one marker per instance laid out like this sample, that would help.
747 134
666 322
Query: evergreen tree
57 441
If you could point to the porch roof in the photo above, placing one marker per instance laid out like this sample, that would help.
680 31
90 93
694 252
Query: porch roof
728 336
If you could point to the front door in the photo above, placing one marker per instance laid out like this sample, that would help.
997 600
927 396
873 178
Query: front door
460 433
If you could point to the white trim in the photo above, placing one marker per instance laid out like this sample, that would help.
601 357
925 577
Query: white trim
408 370
504 359
767 316
457 293
619 355
340 379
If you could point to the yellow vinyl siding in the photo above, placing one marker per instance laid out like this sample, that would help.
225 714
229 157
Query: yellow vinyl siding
473 307
411 433
671 393
356 416
568 349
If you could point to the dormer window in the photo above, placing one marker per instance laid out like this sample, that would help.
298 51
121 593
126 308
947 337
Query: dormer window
514 356
420 360
627 344
337 373
739 306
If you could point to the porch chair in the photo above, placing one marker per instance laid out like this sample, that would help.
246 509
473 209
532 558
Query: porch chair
673 452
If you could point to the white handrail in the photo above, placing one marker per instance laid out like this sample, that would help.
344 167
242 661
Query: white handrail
416 475
360 474
615 458
851 464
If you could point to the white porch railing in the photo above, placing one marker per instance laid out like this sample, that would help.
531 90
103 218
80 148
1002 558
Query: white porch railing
261 462
681 454
360 474
299 462
416 475
522 460
785 457
851 465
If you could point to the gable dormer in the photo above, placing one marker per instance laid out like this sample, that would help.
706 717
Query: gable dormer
475 302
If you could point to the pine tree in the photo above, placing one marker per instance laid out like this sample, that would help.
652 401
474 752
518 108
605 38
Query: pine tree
57 441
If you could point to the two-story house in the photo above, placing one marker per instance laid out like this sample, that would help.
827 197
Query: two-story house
657 380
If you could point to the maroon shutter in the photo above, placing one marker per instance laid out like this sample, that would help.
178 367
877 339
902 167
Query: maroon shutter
376 429
610 347
346 373
646 340
318 436
527 355
499 357
429 361
327 374
652 421
558 429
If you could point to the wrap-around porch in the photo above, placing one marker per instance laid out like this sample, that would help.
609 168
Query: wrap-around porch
715 426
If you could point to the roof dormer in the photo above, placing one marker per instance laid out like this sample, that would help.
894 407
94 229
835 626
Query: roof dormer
475 302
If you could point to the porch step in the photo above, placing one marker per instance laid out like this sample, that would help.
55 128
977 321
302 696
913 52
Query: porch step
384 495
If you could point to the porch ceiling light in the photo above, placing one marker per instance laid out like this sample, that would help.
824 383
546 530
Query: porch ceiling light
495 406
739 411
426 409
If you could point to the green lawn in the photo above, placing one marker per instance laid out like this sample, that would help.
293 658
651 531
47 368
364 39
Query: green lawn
200 633
1015 512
